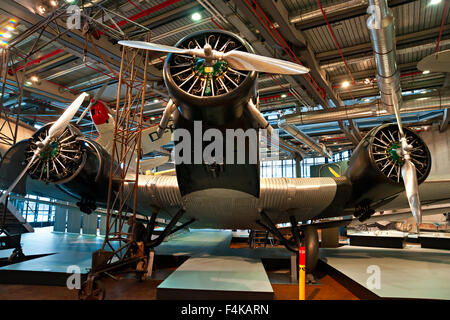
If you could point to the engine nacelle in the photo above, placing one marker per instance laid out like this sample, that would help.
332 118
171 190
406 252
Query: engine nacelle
375 166
212 92
78 165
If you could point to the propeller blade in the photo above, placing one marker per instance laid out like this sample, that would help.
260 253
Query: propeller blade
61 124
99 93
252 62
236 59
409 173
397 115
412 190
85 111
97 97
153 46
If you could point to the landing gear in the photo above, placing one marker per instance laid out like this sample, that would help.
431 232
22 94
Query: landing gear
135 257
17 255
12 241
86 205
364 212
305 236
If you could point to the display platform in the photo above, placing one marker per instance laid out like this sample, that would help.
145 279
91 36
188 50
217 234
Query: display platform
378 241
219 269
61 251
216 271
409 273
217 277
434 240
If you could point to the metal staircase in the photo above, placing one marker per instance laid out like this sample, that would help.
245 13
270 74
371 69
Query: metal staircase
12 225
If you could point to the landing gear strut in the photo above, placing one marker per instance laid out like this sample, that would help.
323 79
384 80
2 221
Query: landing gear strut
305 236
136 259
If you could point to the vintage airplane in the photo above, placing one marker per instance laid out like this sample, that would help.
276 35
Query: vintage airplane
211 77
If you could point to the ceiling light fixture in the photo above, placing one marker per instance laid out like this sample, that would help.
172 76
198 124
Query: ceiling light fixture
345 84
196 16
426 72
41 9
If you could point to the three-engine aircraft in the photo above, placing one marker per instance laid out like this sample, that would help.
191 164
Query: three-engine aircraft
211 77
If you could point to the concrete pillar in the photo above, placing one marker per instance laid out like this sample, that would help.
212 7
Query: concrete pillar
90 223
294 267
330 238
60 219
298 167
439 145
102 224
74 220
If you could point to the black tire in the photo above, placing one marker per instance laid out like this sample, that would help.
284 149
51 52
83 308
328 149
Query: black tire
138 232
310 240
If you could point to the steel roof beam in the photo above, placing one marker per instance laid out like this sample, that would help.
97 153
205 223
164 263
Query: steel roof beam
259 46
73 40
335 13
303 80
280 14
401 41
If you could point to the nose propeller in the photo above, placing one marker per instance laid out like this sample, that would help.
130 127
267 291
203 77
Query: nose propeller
238 60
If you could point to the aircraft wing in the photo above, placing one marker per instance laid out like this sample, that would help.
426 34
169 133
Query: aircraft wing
150 140
149 164
305 198
432 191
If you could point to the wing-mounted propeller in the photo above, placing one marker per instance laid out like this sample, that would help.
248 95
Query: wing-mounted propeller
381 167
408 169
46 145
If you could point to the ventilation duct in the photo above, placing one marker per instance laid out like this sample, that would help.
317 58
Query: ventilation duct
382 33
436 102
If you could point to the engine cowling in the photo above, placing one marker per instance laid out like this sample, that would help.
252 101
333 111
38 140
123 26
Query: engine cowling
78 165
375 166
211 92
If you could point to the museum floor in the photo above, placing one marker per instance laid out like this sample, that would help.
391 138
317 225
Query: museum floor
204 260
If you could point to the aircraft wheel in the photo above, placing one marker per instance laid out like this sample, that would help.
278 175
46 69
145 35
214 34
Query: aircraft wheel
16 256
310 240
138 232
